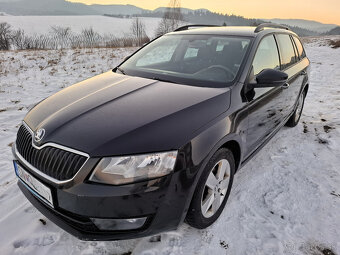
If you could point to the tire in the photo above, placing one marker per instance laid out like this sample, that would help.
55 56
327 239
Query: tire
295 118
198 216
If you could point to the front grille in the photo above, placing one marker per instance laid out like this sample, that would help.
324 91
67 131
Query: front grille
54 162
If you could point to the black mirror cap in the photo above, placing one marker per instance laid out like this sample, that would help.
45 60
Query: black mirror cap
271 78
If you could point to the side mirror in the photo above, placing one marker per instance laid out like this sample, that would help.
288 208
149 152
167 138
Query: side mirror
270 78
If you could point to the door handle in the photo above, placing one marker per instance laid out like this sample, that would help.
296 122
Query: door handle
303 72
286 85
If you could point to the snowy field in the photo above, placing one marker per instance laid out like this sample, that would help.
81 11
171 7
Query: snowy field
286 200
101 24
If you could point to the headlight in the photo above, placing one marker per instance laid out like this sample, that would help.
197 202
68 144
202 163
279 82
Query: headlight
122 170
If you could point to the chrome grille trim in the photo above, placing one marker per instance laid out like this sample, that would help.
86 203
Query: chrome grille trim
53 145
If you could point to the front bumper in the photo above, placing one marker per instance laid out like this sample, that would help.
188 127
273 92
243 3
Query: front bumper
80 226
163 202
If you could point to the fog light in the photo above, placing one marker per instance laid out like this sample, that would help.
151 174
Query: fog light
119 224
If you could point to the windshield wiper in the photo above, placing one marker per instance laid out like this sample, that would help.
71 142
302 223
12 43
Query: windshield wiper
120 70
159 79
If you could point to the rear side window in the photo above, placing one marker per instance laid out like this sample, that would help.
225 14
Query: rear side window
287 52
267 56
299 47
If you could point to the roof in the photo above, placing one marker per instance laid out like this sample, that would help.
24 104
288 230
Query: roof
229 30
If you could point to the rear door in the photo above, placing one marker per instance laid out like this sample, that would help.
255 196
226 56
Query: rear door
265 105
301 67
290 64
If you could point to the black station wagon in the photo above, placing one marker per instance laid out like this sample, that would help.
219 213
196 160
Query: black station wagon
157 140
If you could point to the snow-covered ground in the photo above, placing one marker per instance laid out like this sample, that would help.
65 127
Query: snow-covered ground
101 24
286 200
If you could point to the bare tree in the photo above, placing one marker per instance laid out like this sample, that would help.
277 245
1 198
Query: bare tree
61 36
61 31
90 37
5 36
172 18
19 39
138 31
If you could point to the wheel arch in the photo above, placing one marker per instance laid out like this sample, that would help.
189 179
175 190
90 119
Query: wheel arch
235 149
199 155
231 141
305 88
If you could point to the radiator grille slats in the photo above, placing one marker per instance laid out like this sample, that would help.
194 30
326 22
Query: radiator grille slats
54 162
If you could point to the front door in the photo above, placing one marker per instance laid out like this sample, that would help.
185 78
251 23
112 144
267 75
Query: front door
265 105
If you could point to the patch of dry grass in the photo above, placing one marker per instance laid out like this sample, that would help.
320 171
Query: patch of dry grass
334 44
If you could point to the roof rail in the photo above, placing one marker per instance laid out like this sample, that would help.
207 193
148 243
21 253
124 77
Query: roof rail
187 27
271 25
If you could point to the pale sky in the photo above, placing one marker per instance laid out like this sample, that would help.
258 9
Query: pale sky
326 11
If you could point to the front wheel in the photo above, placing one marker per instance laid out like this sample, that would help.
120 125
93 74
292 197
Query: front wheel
294 119
212 190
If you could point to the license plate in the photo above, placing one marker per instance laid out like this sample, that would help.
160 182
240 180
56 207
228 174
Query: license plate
36 187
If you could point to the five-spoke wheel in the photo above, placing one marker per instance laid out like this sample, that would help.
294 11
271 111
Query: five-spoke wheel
215 188
212 190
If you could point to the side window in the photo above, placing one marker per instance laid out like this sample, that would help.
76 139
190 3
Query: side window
299 47
267 56
287 52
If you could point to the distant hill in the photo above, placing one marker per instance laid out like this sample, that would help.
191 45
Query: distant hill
183 10
334 31
62 7
306 24
46 7
116 9
205 17
302 31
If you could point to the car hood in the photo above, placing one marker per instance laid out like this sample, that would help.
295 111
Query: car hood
113 114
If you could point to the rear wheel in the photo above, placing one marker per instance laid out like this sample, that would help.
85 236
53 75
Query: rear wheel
294 119
212 190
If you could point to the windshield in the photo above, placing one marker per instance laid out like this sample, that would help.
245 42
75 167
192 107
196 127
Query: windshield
201 60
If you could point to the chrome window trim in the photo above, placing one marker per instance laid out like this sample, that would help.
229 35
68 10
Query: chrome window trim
55 145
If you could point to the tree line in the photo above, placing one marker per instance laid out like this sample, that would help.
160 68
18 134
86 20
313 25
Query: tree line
64 38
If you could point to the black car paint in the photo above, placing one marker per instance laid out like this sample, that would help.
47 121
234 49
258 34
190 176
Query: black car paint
195 120
109 102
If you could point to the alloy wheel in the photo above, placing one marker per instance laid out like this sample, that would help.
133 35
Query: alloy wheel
215 188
